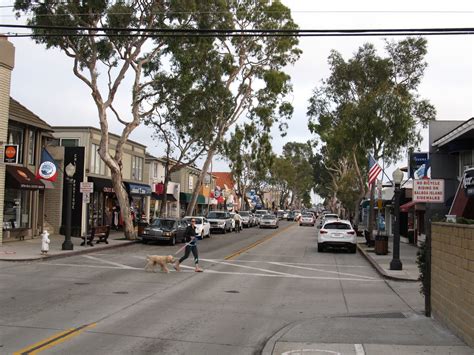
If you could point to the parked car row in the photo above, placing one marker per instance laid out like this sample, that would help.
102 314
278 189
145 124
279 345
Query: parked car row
172 230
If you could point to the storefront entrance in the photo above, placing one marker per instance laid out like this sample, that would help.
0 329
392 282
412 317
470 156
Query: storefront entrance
19 203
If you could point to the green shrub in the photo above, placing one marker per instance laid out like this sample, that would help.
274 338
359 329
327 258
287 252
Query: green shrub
422 267
462 220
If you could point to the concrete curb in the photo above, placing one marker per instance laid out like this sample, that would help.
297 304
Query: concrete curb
379 269
270 343
73 253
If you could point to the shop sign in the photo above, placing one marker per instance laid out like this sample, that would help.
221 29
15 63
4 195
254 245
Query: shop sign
468 182
417 164
10 154
428 190
74 155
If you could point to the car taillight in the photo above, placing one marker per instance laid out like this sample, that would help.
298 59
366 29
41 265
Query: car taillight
351 232
322 231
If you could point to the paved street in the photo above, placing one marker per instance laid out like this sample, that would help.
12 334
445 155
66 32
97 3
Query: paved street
275 296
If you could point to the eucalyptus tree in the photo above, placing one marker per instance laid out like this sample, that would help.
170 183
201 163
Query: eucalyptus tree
250 155
372 102
110 45
301 178
233 77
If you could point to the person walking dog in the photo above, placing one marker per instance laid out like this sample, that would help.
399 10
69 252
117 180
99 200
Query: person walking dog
191 247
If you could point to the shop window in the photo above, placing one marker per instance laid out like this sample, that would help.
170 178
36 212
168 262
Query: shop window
137 168
15 136
97 165
69 142
16 210
466 161
31 147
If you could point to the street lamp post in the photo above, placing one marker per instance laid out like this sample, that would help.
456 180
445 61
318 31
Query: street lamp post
70 171
396 263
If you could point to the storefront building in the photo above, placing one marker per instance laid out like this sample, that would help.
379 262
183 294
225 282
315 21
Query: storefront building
81 146
155 176
187 177
452 159
23 201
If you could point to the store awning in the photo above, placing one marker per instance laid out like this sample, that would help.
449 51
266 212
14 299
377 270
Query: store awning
101 185
406 207
186 198
169 197
135 189
19 177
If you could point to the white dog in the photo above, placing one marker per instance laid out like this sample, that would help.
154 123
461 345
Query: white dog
162 260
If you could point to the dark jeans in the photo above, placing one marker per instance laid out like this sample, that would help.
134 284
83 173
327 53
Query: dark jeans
189 249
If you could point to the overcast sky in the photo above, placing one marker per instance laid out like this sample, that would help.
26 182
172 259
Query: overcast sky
43 81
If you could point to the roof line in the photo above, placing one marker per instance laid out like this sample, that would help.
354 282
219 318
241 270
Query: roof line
97 129
453 133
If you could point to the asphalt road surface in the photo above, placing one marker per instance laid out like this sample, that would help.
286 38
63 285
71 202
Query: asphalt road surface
255 284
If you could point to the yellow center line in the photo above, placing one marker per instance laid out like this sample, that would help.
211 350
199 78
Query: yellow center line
53 340
258 242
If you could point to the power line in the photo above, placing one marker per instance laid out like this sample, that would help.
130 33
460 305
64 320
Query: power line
199 35
229 32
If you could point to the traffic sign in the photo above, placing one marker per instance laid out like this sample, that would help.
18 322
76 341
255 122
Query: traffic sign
86 187
86 198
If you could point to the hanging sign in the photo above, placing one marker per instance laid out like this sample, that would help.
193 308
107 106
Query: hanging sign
10 154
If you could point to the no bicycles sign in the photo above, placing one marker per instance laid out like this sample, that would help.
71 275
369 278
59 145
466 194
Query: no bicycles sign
428 190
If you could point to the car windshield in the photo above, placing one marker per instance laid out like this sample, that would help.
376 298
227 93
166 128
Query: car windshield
328 216
198 220
164 223
308 216
269 216
244 213
337 226
217 215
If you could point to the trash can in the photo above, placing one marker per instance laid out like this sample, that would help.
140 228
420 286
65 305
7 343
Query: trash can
141 227
381 244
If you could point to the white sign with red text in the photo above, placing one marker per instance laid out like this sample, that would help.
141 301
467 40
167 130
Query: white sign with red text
428 190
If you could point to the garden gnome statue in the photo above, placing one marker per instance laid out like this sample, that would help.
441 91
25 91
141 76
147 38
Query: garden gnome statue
45 242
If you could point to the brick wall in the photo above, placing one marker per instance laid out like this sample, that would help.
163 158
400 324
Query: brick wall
452 278
53 198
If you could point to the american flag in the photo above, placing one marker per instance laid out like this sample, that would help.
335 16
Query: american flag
374 169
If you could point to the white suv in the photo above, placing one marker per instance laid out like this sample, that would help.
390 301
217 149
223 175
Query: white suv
337 233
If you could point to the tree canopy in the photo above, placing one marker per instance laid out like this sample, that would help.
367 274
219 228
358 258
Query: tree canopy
369 104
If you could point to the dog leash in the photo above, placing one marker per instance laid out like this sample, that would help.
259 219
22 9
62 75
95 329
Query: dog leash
184 246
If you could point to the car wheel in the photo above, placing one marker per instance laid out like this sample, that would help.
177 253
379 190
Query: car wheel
144 241
225 230
320 248
353 249
173 240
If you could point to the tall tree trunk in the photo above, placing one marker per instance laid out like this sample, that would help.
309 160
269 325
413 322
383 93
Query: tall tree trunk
370 227
205 168
124 203
164 198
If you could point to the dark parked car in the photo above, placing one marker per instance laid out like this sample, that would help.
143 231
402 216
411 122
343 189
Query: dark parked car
165 229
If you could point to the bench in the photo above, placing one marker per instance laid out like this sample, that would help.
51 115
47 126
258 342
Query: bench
101 232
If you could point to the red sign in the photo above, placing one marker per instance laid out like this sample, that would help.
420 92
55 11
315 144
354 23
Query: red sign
11 154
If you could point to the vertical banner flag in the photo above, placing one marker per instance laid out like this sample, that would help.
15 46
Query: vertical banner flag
48 169
374 169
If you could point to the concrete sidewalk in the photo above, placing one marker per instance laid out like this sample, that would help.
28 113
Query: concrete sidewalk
381 263
29 250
